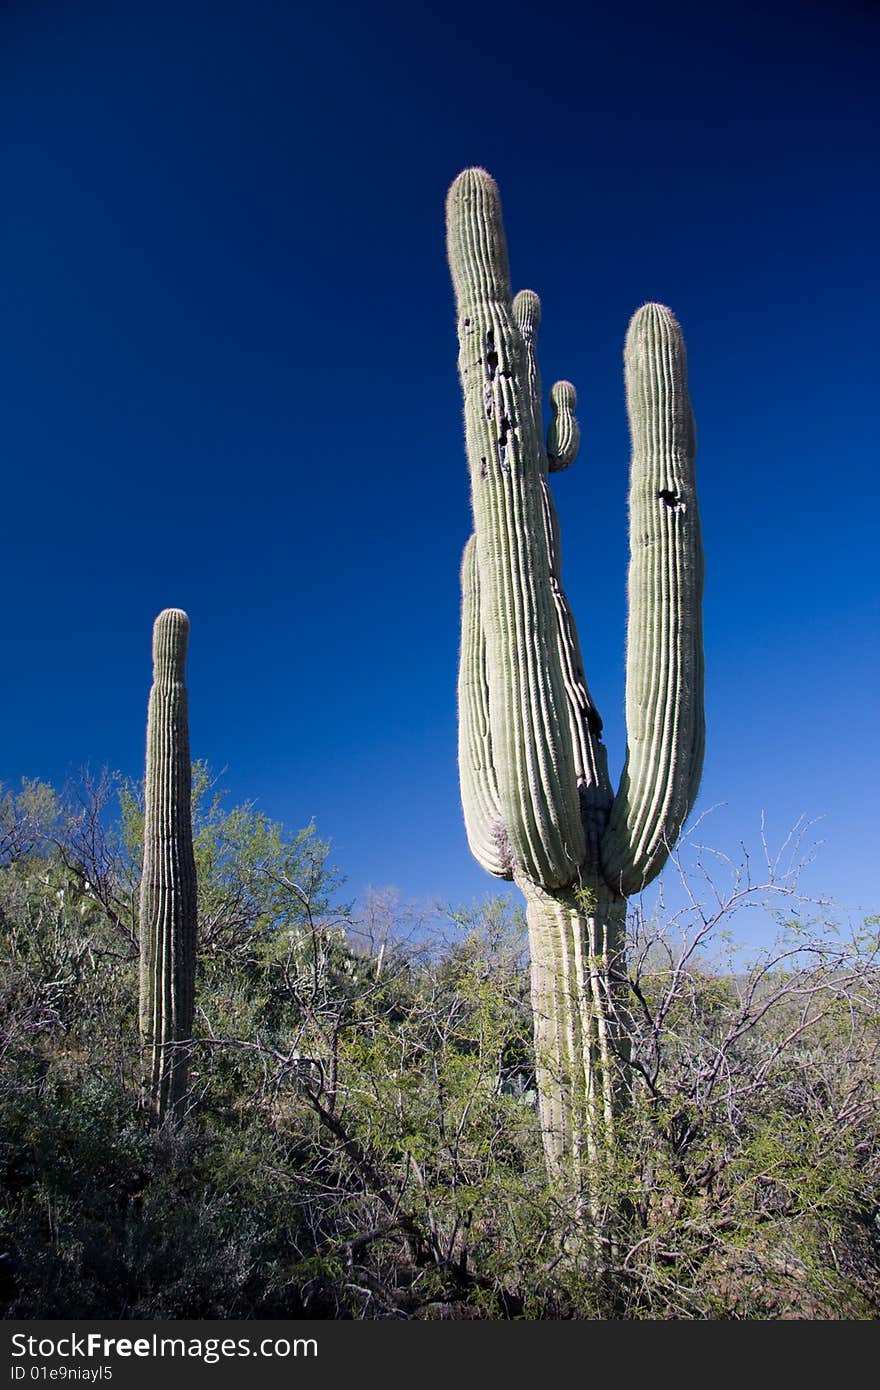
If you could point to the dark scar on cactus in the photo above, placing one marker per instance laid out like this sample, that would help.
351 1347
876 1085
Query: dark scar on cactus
671 500
491 355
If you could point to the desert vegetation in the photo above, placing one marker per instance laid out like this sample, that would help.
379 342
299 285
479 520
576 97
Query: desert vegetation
227 1092
360 1135
538 801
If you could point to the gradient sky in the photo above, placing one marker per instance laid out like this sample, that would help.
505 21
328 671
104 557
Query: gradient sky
228 383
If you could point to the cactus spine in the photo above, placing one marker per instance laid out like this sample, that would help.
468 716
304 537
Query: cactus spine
538 803
168 884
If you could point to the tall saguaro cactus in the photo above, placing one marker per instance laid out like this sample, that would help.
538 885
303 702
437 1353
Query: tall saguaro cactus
168 885
538 803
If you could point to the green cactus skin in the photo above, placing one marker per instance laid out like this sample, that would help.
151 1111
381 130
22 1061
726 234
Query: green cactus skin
168 905
664 645
538 803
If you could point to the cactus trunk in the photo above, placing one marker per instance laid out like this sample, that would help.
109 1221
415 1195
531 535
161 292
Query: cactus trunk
168 884
538 803
578 974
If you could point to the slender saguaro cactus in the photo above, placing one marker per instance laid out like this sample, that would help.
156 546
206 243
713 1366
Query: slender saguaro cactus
538 803
168 885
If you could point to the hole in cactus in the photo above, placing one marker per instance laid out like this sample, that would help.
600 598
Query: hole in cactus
484 468
672 500
503 436
491 355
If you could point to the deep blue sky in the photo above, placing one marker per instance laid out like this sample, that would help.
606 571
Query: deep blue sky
228 383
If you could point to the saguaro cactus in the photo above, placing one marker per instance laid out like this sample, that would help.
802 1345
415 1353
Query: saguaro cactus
538 804
168 885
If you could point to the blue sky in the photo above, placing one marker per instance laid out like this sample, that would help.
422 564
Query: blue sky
228 383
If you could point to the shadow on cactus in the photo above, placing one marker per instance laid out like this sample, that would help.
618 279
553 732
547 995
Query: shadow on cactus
538 803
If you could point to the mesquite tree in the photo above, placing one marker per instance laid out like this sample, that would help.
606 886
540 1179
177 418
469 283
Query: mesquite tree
168 903
538 803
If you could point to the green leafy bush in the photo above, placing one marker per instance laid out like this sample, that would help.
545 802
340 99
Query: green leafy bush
361 1139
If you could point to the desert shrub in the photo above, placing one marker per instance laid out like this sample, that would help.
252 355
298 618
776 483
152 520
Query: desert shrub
361 1139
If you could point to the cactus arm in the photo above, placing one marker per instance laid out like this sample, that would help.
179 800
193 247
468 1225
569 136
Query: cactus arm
531 739
168 883
483 820
563 432
526 309
585 725
664 673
